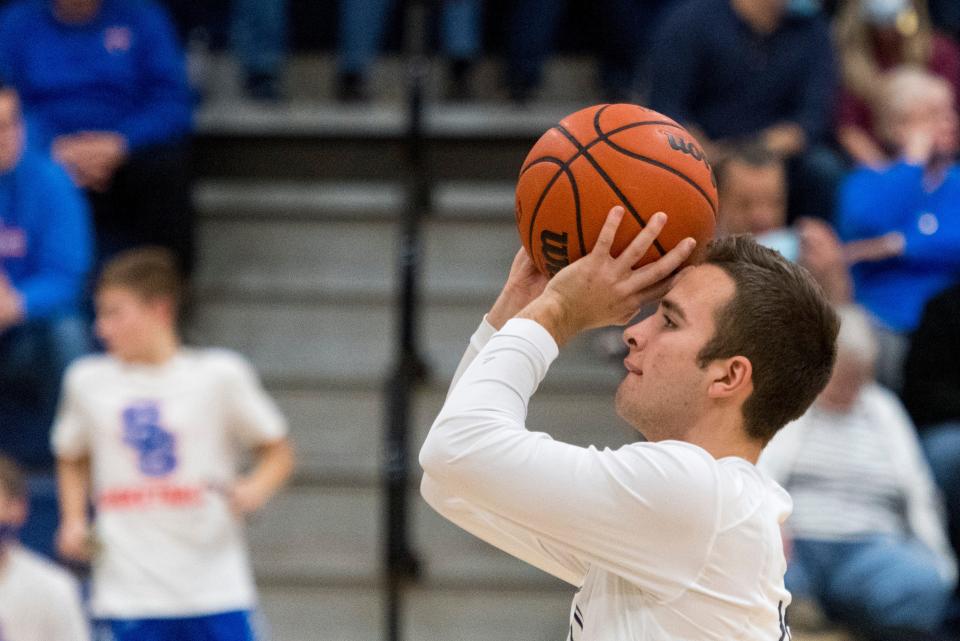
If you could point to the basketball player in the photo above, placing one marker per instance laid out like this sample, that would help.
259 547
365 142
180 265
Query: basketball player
152 433
677 538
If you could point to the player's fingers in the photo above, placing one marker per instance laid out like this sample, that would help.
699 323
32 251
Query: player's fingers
663 267
608 231
639 246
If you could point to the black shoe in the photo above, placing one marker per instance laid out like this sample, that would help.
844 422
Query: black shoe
263 87
351 88
459 89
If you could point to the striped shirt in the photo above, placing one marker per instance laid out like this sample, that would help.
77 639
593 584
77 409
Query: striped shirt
843 485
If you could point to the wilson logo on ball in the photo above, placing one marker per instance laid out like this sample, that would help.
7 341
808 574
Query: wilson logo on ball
556 253
681 145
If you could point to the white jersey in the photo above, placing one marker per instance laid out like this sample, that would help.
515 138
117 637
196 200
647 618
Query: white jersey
38 600
664 542
164 443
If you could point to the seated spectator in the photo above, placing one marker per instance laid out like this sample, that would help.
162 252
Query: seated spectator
753 200
44 259
38 601
362 26
867 539
742 69
873 37
905 217
931 392
619 28
104 87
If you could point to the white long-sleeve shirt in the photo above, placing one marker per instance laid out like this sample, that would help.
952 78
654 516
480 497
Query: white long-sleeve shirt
664 542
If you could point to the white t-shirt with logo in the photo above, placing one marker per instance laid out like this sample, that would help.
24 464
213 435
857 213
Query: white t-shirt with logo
38 600
664 542
165 443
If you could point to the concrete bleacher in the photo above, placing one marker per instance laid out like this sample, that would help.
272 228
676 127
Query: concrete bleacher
300 209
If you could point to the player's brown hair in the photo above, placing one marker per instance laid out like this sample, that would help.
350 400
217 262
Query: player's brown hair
12 483
150 272
781 321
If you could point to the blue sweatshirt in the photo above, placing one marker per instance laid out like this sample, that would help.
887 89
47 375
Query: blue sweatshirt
709 68
873 203
123 71
45 236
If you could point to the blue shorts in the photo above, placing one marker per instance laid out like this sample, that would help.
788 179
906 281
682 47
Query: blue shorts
225 626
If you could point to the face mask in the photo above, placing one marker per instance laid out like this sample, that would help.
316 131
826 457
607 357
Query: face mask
883 13
785 241
804 8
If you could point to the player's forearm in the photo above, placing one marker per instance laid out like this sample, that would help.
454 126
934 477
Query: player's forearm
485 413
73 481
275 463
553 317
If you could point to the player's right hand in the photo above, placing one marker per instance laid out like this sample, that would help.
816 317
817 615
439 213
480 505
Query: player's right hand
74 541
599 290
524 284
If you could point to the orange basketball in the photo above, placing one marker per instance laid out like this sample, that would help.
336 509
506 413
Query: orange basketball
610 155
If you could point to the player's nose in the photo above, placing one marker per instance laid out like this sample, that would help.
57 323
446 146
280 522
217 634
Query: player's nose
633 337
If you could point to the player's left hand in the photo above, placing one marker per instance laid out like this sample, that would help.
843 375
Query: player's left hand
246 497
600 290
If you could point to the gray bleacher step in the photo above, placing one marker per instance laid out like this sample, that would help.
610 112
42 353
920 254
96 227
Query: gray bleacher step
339 259
338 433
354 343
311 79
430 613
317 535
323 200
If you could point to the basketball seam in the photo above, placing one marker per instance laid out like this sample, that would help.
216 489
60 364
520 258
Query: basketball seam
562 169
596 141
605 137
611 184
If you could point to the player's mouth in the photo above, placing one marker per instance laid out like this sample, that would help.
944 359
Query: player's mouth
632 369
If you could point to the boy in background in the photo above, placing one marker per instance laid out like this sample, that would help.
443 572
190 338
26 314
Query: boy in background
38 601
152 434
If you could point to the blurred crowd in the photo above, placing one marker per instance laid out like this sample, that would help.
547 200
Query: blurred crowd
833 131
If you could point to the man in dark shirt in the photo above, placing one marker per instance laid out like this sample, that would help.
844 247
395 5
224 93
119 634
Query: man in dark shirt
931 392
740 69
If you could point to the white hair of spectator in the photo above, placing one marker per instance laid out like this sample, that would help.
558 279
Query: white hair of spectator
856 338
902 88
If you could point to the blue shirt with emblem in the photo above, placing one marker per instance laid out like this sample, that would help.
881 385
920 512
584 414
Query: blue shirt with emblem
123 71
45 236
873 203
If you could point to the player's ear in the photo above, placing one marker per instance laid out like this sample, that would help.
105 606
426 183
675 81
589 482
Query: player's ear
730 377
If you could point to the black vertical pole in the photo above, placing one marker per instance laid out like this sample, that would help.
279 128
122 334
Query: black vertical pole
400 561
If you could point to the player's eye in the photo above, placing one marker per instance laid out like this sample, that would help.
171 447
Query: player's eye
668 322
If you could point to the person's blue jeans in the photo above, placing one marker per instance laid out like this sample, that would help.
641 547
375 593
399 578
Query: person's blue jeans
874 585
622 28
258 33
363 22
941 445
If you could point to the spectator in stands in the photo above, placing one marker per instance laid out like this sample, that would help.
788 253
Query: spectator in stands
153 434
737 69
258 33
620 29
875 36
45 255
362 27
104 87
38 601
753 200
931 392
868 540
905 218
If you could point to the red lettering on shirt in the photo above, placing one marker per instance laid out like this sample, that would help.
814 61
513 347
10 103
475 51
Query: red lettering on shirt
149 496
